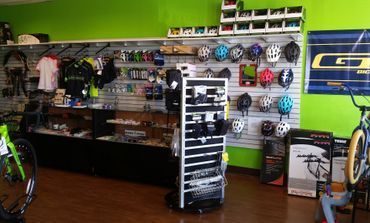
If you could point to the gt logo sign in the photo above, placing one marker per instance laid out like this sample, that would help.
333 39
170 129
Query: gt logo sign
359 61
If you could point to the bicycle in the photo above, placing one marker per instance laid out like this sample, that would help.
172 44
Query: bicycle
359 154
18 173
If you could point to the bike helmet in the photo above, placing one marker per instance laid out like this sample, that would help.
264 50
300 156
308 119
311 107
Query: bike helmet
224 73
209 73
292 52
282 129
285 105
273 53
204 53
238 125
254 53
285 78
266 78
237 53
267 128
244 102
221 52
265 103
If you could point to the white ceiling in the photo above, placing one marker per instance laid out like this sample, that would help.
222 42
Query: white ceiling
20 2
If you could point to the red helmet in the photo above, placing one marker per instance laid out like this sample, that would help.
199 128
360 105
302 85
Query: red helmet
266 78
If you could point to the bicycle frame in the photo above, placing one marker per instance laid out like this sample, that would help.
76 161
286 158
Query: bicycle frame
4 133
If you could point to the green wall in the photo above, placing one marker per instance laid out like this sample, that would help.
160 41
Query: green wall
84 19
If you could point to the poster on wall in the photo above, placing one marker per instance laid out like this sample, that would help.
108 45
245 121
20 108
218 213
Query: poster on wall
338 56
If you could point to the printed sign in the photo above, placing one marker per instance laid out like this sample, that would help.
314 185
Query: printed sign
338 56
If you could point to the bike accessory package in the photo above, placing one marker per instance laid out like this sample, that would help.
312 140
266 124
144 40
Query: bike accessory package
158 92
221 53
254 53
285 105
204 53
211 128
267 128
265 103
273 53
285 78
282 129
292 52
273 163
209 73
149 91
237 53
243 103
266 78
158 58
173 99
174 79
224 73
309 162
238 126
199 94
199 130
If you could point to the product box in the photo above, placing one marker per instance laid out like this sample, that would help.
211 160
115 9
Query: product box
187 69
309 162
340 152
273 163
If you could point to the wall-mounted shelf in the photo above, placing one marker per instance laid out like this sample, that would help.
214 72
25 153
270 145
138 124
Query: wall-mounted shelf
160 41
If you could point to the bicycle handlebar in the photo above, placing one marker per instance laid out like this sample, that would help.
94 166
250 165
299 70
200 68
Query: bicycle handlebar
344 86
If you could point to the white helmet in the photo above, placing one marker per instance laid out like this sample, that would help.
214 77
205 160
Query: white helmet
273 53
265 103
237 53
204 53
209 73
238 125
282 129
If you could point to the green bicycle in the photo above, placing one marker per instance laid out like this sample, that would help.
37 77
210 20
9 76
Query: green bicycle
18 173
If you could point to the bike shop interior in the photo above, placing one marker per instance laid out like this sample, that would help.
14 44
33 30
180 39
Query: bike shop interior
185 111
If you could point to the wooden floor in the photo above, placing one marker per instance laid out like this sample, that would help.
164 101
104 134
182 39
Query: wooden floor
69 197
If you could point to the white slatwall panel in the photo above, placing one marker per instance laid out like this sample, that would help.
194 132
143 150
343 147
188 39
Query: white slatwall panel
132 102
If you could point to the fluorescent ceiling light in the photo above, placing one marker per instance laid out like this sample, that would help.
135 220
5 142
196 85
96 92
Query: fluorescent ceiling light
20 2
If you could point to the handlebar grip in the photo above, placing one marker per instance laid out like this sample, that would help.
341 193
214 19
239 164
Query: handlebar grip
338 84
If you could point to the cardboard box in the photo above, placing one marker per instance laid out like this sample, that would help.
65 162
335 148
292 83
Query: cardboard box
309 162
340 152
273 163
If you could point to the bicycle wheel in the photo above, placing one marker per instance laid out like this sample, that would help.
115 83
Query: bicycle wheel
354 162
17 194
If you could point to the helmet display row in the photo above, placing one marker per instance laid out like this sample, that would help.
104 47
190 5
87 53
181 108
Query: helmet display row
273 53
285 78
285 104
281 130
224 73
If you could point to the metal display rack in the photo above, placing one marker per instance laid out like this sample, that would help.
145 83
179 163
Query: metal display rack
201 176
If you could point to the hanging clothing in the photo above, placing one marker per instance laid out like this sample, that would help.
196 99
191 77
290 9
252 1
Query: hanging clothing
16 68
108 73
48 68
65 62
78 77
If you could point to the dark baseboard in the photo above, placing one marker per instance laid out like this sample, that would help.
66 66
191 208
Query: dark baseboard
242 170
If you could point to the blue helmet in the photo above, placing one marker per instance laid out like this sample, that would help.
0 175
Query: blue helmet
254 52
221 52
285 105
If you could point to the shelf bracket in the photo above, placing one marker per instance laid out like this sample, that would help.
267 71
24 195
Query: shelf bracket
47 50
294 37
63 50
106 46
84 47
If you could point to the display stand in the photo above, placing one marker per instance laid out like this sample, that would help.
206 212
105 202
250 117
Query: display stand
201 176
366 173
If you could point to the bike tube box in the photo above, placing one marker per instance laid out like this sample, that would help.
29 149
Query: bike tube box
340 152
309 162
273 163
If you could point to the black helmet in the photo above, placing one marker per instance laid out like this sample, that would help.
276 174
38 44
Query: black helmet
267 128
285 78
292 52
225 73
244 102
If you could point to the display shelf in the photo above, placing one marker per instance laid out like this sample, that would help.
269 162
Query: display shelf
151 143
59 133
142 126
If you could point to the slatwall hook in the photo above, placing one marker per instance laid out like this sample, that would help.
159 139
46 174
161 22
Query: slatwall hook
63 50
84 47
106 46
47 50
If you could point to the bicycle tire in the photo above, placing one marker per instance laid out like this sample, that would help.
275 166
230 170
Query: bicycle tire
28 158
355 165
